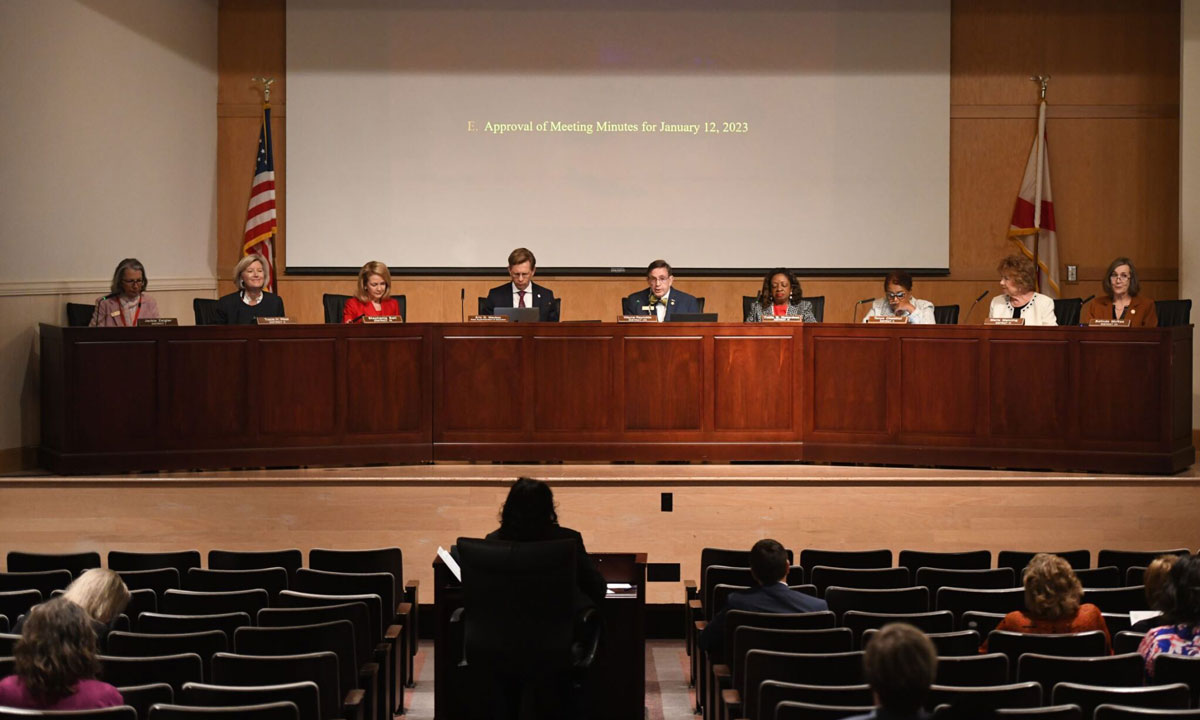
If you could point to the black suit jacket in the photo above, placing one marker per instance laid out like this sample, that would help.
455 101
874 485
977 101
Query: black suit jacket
232 311
591 582
543 300
775 598
677 302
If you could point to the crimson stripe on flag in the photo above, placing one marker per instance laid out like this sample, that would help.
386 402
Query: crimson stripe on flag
1047 215
262 187
259 209
1023 213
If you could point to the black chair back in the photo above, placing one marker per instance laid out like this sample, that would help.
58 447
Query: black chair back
36 562
388 560
1109 576
824 577
181 560
45 581
810 558
914 560
945 314
937 578
1125 559
792 710
1173 312
163 623
1179 669
948 644
80 314
273 580
304 695
290 559
938 621
747 304
355 613
1045 712
1125 712
323 582
970 670
336 637
143 697
205 311
174 670
773 692
15 603
189 602
1088 697
320 668
897 600
812 668
334 306
746 638
374 605
981 622
140 601
960 600
1111 670
1117 599
1126 641
267 711
158 581
204 644
1016 644
119 712
1015 695
7 643
818 308
1067 310
1018 559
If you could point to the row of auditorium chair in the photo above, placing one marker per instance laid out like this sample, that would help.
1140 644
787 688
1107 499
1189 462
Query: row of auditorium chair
809 665
253 623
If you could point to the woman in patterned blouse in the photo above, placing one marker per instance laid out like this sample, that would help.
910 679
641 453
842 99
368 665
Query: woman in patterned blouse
1181 600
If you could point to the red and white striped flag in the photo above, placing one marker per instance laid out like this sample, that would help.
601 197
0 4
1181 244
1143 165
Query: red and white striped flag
260 216
1033 217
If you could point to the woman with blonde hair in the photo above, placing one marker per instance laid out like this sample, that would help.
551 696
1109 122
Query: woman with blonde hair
55 663
102 595
1052 602
373 296
251 300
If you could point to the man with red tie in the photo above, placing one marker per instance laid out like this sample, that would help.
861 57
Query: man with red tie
522 291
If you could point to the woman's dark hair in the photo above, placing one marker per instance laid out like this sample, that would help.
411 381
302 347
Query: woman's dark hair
528 511
898 277
57 649
764 295
1181 596
1134 285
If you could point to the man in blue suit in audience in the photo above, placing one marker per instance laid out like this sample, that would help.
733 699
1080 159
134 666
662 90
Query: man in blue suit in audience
659 299
769 566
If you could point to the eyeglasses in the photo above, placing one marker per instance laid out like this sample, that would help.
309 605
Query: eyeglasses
138 281
1119 276
896 295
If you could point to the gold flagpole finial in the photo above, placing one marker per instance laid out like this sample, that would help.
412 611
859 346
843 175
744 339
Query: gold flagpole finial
266 83
1042 80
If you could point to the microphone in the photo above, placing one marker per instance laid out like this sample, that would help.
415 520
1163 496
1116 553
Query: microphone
462 304
854 311
1087 300
357 319
982 295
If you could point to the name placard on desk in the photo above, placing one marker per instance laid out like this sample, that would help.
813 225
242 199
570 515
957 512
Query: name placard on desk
274 321
783 318
157 322
888 319
487 318
1004 321
1108 322
382 319
637 318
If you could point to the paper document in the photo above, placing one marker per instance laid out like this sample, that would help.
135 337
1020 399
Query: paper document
618 587
450 562
1136 616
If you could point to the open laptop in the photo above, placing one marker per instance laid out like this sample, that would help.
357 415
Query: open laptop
693 317
515 314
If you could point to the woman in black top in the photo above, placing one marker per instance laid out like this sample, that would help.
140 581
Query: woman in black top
250 302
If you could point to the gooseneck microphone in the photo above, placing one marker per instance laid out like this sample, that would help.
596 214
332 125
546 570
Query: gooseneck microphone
462 304
982 295
1087 300
854 310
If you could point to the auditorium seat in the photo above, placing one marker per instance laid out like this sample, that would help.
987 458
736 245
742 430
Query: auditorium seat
960 600
290 559
824 576
1179 669
273 580
35 562
204 644
1018 559
914 560
810 558
140 601
334 306
1124 670
694 594
267 711
44 581
964 670
938 621
386 559
1088 697
1125 712
812 668
981 622
80 314
304 695
1116 622
1172 313
181 560
319 668
1044 712
1117 599
205 311
7 643
772 692
898 600
15 603
1067 310
163 623
118 712
747 638
188 602
945 314
142 697
818 308
4 626
792 710
174 670
1108 576
1015 644
159 580
1126 641
1125 559
1013 695
948 644
937 578
1135 575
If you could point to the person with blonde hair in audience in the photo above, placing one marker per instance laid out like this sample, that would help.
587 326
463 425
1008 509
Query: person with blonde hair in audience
55 663
373 295
128 301
1018 280
1052 602
1158 576
900 665
102 595
1180 635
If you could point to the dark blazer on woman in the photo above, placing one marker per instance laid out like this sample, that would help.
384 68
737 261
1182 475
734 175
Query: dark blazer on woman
232 311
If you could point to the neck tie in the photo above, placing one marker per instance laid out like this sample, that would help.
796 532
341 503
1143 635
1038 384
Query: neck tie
521 298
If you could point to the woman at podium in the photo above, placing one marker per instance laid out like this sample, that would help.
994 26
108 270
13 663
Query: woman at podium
373 296
251 301
780 296
1121 300
128 301
1018 279
898 301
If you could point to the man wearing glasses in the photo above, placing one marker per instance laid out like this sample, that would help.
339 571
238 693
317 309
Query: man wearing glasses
899 301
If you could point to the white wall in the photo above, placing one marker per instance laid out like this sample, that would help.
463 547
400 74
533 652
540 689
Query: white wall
1189 179
108 151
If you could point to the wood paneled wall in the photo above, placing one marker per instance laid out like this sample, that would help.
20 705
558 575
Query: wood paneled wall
1114 149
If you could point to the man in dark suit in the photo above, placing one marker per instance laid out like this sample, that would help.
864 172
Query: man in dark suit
769 566
522 291
659 299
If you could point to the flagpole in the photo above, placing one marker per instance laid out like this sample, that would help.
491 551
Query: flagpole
1037 192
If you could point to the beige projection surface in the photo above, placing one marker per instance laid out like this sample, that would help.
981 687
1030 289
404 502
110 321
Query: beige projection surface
605 133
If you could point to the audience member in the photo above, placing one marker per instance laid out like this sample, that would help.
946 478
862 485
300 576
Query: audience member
769 566
55 663
900 665
1158 575
1181 597
1052 602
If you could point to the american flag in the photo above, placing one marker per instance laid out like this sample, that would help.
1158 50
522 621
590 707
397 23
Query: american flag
260 216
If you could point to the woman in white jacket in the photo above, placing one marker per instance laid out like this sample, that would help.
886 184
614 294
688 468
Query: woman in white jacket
1017 278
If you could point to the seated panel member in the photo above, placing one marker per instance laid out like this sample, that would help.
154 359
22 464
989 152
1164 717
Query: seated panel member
1018 277
128 302
1121 300
522 291
899 301
769 566
780 295
659 299
250 301
373 296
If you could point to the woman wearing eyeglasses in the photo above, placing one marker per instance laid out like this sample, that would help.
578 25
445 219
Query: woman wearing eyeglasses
127 303
898 301
1121 300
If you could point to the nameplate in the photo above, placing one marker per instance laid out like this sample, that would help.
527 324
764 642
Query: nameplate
382 319
487 318
157 322
1108 322
637 318
783 318
1004 321
888 319
274 321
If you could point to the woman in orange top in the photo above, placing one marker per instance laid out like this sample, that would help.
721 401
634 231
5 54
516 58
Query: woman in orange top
1121 300
374 295
1052 595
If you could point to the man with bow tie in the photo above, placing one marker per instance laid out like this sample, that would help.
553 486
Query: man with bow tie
522 291
659 298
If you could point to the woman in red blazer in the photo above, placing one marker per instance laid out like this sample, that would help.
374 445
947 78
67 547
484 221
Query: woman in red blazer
374 295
